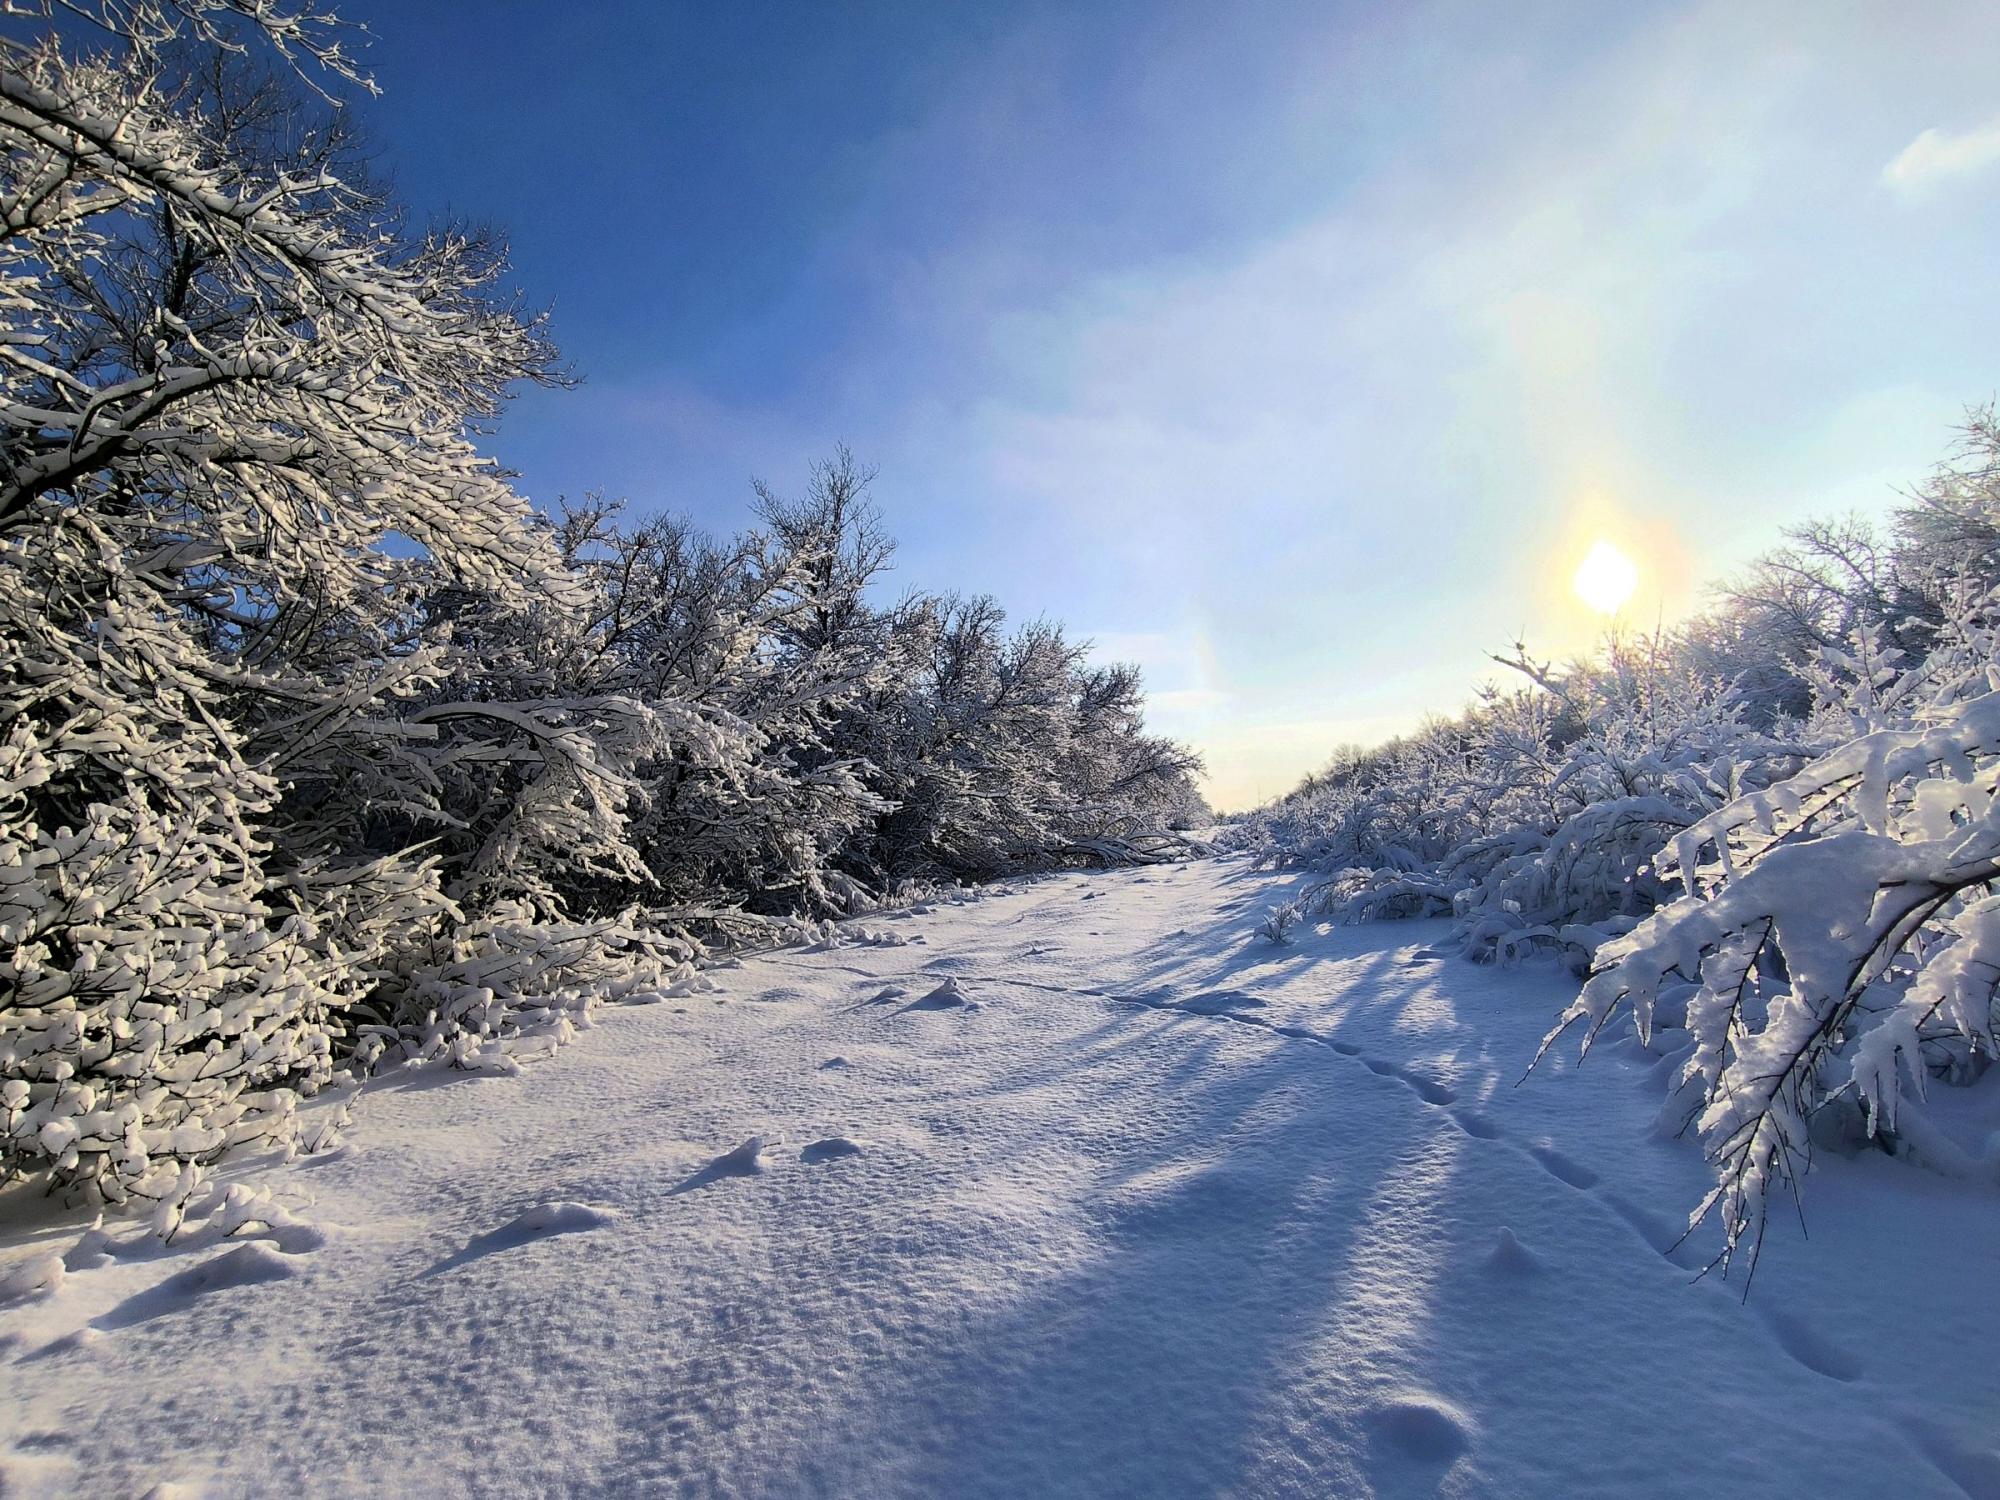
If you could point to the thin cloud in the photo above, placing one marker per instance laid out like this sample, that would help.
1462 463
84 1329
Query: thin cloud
1937 154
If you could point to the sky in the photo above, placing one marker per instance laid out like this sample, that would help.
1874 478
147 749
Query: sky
1296 351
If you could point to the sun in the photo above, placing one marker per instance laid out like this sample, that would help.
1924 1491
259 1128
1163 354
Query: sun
1605 578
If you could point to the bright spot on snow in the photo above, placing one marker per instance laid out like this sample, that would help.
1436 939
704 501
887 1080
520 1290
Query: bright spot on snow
1605 578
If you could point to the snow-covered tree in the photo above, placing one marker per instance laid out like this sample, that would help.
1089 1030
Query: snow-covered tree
230 376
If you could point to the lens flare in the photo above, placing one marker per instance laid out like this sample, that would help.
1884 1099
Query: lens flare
1605 578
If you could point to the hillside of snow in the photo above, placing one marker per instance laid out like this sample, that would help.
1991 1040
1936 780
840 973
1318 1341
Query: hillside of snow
1074 1189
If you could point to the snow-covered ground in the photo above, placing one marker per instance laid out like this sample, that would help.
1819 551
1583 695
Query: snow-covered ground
1079 1190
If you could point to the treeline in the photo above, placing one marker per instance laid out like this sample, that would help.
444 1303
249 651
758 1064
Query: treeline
1769 835
321 748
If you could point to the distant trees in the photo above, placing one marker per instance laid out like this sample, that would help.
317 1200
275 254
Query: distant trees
319 747
1770 837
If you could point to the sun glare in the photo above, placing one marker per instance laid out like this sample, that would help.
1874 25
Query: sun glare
1605 578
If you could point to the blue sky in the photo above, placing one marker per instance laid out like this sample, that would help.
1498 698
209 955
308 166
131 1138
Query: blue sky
1296 351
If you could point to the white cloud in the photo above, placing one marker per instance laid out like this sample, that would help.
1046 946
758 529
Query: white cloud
1936 154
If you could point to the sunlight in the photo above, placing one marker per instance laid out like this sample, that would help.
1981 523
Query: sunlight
1605 578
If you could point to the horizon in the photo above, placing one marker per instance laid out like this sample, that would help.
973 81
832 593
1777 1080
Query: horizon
1167 326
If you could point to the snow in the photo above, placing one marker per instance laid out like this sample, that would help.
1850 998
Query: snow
1153 1207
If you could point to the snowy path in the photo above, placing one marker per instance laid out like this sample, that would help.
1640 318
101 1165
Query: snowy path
1161 1211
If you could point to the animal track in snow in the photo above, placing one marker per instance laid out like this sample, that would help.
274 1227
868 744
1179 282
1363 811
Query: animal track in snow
1427 1089
1665 1240
1217 1003
1475 1124
1562 1168
1804 1344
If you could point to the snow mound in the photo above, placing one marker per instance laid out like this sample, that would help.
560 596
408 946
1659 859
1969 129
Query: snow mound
747 1157
254 1214
832 1148
69 1343
1513 1257
246 1265
561 1218
542 1221
93 1248
1423 1427
746 1160
39 1278
947 996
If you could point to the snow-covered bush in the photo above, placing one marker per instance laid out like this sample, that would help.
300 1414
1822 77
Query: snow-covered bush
1536 818
1783 872
320 748
1278 923
1840 926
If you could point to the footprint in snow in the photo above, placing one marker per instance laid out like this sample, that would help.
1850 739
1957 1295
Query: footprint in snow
1562 1168
1669 1243
1427 1089
1805 1344
1218 1003
1475 1124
